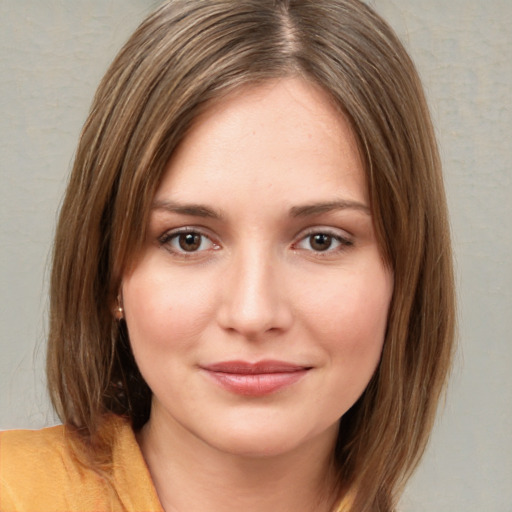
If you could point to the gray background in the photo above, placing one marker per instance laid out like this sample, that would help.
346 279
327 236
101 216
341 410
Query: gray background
52 55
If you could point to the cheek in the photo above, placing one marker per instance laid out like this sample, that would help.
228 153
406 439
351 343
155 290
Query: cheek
351 328
349 315
164 311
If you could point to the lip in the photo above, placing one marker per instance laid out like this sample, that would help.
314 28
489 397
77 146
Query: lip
255 379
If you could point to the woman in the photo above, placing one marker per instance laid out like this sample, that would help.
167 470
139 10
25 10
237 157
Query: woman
252 297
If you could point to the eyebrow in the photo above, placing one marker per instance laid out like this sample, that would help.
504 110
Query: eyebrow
194 210
319 208
199 210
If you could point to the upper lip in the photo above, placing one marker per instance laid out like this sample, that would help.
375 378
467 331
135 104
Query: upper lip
248 368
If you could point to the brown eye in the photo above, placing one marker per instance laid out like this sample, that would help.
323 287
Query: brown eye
320 242
189 242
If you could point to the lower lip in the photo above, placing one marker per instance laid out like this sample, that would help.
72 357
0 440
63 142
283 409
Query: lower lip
259 384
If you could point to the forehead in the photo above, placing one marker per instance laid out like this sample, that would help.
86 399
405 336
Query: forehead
284 136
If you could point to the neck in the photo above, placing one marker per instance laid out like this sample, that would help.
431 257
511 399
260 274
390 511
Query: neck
190 475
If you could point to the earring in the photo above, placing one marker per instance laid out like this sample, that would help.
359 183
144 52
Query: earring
119 311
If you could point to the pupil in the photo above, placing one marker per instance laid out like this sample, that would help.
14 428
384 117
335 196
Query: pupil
190 241
321 242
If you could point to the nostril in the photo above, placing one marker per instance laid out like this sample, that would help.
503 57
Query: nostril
253 317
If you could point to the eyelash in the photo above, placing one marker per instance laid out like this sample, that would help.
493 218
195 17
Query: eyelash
169 237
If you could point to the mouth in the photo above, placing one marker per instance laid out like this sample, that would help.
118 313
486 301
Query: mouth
255 379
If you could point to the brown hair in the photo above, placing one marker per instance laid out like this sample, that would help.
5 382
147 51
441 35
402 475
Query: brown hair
185 55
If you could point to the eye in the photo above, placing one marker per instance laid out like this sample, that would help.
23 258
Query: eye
187 241
320 241
323 242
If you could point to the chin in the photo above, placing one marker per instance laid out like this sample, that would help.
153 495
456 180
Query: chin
264 441
257 446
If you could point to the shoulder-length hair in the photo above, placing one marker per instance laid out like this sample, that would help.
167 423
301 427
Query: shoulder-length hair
183 57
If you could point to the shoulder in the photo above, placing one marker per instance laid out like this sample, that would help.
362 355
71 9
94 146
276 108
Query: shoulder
31 456
39 472
24 447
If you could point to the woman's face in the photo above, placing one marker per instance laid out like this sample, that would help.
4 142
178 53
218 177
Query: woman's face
258 308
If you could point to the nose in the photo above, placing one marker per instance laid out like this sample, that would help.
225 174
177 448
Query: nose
254 299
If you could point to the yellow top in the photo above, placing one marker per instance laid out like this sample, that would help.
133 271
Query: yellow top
39 473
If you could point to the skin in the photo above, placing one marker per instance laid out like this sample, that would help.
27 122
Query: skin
284 265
